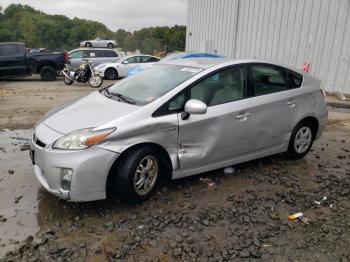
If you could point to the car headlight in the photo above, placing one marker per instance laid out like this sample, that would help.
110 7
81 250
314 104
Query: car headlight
81 139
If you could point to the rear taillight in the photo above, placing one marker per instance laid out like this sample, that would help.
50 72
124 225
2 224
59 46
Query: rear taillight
65 55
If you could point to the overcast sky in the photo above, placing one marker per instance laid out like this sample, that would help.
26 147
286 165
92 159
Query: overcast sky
115 14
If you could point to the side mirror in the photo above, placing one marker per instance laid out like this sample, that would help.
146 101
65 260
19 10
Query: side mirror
196 107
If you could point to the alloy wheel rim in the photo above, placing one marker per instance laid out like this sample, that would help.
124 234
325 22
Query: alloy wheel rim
110 74
95 81
145 175
302 140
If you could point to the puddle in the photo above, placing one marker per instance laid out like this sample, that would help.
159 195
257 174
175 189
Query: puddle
25 207
17 184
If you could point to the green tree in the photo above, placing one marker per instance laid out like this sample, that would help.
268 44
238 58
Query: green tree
57 32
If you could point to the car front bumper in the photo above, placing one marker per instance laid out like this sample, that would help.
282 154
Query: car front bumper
100 71
90 168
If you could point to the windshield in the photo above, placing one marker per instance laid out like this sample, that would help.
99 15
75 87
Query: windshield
169 57
152 83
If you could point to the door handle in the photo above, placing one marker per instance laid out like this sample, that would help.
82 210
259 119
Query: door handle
291 102
243 116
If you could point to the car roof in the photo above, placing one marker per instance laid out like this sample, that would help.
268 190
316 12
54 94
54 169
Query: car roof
207 62
126 57
199 62
89 49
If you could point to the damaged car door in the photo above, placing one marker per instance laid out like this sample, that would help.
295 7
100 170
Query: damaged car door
222 132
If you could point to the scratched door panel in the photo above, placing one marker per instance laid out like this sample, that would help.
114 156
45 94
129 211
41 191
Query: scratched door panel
215 136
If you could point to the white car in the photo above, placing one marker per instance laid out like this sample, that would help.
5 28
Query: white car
99 42
121 66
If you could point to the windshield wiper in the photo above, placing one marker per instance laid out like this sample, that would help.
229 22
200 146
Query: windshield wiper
107 91
123 98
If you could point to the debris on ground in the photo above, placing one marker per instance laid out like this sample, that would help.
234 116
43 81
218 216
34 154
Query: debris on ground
295 216
305 220
319 202
18 198
229 170
209 182
11 171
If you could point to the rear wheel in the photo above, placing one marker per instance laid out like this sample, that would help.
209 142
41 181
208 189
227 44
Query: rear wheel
88 44
110 45
301 140
136 175
111 74
48 73
67 81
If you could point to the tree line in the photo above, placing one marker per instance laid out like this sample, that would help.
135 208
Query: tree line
22 23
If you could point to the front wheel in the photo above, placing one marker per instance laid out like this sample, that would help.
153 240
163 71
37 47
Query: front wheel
111 74
95 81
110 45
136 175
301 140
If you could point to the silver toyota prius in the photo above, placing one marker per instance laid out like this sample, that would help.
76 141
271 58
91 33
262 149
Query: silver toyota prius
176 119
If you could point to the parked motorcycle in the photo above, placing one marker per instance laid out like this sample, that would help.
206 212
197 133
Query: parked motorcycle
83 74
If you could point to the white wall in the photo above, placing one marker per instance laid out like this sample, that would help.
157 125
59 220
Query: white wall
287 31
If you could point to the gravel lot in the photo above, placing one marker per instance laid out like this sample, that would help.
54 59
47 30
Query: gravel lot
210 217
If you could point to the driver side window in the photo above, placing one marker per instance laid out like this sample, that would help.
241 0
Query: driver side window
133 60
220 88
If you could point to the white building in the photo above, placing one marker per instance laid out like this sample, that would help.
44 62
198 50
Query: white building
292 32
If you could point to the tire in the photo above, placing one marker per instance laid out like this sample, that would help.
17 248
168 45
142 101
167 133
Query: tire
95 81
88 44
126 177
301 140
110 45
67 81
48 73
111 74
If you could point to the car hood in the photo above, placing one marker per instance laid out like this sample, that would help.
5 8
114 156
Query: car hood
92 110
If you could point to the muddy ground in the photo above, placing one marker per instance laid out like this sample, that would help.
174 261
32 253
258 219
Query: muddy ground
209 217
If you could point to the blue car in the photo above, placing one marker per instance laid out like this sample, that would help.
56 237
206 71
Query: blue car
136 69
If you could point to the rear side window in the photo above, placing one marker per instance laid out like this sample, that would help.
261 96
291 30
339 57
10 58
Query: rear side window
92 53
154 59
295 79
267 79
109 53
76 55
9 50
145 59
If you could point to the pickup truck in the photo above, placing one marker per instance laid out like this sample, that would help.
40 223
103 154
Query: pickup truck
15 60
